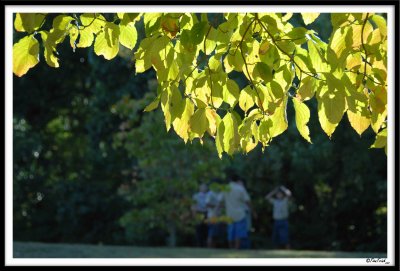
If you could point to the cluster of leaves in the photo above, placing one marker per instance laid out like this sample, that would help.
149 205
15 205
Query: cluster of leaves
195 60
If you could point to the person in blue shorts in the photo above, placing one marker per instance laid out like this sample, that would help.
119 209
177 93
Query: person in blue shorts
236 202
279 198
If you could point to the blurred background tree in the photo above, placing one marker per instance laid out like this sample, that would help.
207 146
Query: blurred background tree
91 167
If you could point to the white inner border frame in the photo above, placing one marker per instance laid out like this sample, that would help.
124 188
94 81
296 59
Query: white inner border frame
9 260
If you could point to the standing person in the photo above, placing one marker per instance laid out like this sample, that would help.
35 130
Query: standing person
213 203
279 198
246 241
236 201
200 211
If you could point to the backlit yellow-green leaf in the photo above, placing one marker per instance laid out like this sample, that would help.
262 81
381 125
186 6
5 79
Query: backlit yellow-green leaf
307 89
181 123
262 71
213 121
152 106
28 22
219 138
128 35
199 122
247 98
380 140
381 23
106 43
231 136
331 107
92 24
302 118
309 17
25 55
279 120
359 122
49 49
230 92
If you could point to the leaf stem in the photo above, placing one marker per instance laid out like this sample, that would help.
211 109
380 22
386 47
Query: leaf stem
247 69
364 49
208 66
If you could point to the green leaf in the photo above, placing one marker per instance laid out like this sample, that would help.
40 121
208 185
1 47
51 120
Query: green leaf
381 23
217 92
331 107
106 43
198 32
171 105
302 118
263 72
359 122
213 121
338 47
307 89
231 135
151 22
317 57
73 36
230 92
233 61
264 131
128 35
380 140
28 22
378 106
181 122
199 122
92 25
279 120
247 98
338 19
298 35
152 106
215 63
49 49
219 138
62 22
25 55
310 17
170 25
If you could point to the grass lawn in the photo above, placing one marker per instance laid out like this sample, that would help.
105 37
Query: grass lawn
45 250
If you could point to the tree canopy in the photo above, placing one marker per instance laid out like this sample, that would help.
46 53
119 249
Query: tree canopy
197 61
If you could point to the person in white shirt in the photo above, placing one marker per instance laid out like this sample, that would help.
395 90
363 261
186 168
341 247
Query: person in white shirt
236 202
279 198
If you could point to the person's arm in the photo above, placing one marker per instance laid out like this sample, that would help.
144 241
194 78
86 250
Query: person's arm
271 194
287 192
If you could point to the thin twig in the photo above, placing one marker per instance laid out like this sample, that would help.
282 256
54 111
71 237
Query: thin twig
208 66
363 46
285 53
247 69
